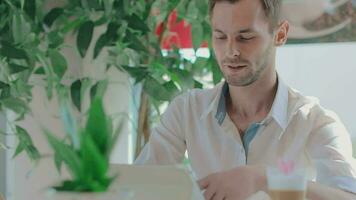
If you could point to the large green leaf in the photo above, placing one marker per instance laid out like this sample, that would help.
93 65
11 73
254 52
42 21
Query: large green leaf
59 63
75 91
67 155
136 23
52 16
20 28
30 8
84 37
95 164
97 126
106 38
10 51
15 68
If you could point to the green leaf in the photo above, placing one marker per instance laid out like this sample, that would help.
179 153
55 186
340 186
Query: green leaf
67 154
173 4
100 44
33 153
59 63
20 28
40 71
19 149
203 7
72 25
84 37
97 126
116 134
198 84
198 35
94 4
52 16
99 89
5 93
15 68
3 85
69 121
214 67
134 43
138 73
95 164
185 78
93 91
156 90
75 91
136 23
108 5
192 12
55 39
26 144
15 104
30 8
8 50
58 162
171 88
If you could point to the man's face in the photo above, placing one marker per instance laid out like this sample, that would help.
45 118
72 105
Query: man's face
242 41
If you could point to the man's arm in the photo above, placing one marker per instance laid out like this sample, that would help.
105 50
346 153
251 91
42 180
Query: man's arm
241 182
317 191
166 145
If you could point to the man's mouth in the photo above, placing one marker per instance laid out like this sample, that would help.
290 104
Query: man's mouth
231 66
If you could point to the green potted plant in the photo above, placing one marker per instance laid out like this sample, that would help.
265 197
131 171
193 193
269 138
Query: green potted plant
85 153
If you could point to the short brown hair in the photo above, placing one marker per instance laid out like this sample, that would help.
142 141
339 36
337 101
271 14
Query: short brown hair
272 9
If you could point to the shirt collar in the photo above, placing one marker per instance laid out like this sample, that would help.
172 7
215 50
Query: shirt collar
279 110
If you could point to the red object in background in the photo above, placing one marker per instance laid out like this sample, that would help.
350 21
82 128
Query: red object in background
179 33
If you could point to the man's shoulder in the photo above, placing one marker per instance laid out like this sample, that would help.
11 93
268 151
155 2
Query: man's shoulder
309 108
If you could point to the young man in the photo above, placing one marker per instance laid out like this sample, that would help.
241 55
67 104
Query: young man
233 131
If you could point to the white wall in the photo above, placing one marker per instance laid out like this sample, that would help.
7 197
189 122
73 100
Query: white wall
326 71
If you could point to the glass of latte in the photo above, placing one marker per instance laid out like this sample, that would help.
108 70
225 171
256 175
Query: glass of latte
286 185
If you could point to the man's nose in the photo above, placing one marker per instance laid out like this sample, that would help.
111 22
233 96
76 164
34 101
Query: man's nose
233 50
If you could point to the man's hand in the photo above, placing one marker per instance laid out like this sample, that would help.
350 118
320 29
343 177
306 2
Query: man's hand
236 184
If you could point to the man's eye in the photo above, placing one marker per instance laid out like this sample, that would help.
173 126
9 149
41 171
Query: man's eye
246 38
220 37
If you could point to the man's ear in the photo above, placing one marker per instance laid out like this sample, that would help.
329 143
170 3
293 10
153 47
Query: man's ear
282 33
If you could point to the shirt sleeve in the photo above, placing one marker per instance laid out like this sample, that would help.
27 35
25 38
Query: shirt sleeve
166 145
331 150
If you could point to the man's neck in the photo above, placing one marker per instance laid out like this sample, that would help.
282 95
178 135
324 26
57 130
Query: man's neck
253 102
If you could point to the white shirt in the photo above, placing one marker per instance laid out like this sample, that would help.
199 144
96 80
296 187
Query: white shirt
297 128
